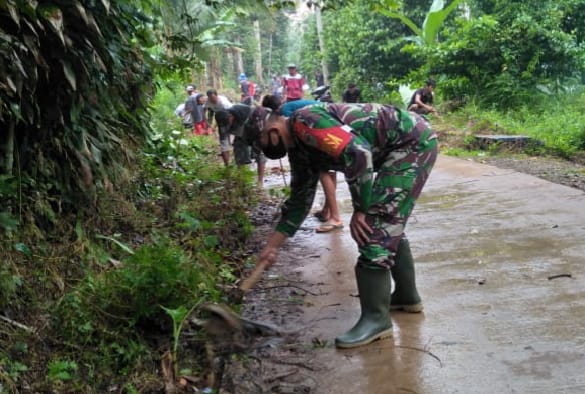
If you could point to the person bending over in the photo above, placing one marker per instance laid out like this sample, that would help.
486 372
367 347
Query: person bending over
386 155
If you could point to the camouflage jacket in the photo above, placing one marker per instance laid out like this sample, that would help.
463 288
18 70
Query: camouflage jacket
352 138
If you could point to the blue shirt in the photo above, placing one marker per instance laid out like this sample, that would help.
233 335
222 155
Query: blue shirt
289 107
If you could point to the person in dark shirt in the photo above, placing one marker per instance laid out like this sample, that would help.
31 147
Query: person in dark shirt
245 87
352 94
421 101
319 78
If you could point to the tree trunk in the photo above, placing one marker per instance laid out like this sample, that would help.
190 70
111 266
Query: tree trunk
215 71
258 56
324 68
270 56
238 60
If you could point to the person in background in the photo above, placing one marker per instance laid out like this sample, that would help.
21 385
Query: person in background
421 101
352 94
216 103
181 110
292 84
246 94
329 214
276 84
243 121
386 154
200 125
319 78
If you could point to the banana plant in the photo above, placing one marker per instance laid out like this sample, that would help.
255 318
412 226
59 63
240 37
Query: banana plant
427 33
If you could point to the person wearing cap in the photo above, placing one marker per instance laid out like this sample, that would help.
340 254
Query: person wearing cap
292 84
216 103
386 154
421 101
245 122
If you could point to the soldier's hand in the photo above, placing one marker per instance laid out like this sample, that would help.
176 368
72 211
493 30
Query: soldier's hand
268 256
360 229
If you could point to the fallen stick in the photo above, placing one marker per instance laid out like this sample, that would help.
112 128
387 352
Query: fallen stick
17 324
560 276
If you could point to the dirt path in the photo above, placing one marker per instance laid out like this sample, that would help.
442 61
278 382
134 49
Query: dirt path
490 245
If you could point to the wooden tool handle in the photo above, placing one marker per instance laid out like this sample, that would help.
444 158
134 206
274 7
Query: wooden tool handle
255 276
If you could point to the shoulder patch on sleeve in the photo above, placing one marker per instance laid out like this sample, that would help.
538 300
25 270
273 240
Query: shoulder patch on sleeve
330 140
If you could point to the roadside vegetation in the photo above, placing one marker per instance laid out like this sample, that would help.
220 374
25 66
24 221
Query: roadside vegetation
555 128
96 296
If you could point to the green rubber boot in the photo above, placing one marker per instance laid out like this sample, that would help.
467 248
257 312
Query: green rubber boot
405 297
374 288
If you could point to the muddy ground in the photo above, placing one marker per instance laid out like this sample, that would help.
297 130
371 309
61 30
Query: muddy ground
285 364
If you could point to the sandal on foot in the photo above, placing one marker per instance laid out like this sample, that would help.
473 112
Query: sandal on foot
327 227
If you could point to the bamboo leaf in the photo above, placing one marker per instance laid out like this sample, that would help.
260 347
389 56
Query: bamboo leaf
11 84
106 4
81 11
54 16
69 74
93 24
32 45
13 13
122 246
18 63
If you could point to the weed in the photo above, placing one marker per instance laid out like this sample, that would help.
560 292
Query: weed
62 370
319 343
178 315
10 372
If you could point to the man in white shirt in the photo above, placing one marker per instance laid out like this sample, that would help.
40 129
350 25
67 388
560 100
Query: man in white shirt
216 103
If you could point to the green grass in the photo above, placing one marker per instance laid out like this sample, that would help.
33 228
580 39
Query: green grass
557 124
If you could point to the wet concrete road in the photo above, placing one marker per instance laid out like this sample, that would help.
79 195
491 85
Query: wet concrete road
485 242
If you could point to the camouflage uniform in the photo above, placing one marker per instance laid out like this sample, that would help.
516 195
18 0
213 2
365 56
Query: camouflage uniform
386 155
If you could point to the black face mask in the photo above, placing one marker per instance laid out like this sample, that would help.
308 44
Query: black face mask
275 152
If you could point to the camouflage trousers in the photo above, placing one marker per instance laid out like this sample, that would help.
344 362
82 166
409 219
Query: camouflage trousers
398 184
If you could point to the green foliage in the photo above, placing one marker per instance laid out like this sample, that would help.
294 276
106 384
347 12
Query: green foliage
10 282
556 124
155 275
427 34
508 59
74 85
8 190
10 374
62 370
434 20
178 317
364 48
